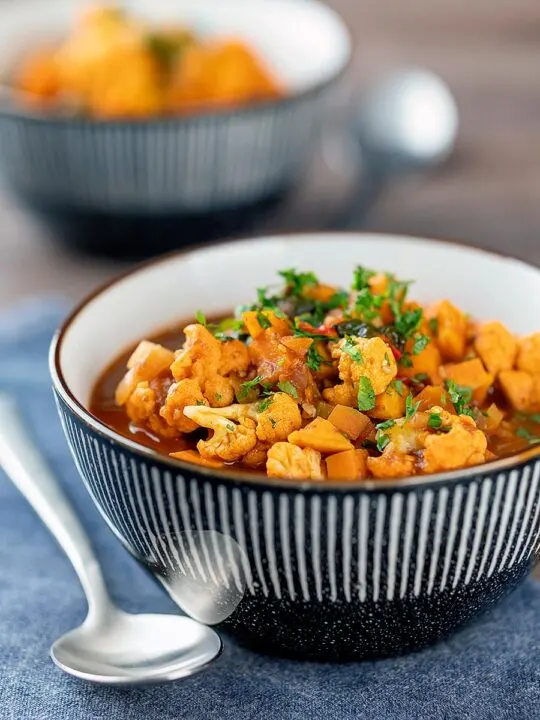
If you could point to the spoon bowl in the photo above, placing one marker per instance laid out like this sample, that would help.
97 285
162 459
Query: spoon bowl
124 648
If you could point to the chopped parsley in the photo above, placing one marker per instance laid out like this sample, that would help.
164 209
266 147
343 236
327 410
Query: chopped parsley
398 386
286 386
367 305
263 321
200 317
273 422
385 425
230 426
420 342
382 441
361 277
350 349
405 361
526 435
420 378
366 394
313 358
411 408
434 421
246 387
460 396
265 404
434 326
297 282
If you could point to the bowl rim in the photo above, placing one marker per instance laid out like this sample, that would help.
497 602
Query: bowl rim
9 109
61 387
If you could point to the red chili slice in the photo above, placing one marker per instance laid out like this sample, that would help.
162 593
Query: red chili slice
321 330
395 352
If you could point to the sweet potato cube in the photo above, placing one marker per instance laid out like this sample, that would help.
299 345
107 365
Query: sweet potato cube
433 395
298 345
494 417
521 389
389 405
192 456
349 421
426 362
320 435
347 465
254 327
470 373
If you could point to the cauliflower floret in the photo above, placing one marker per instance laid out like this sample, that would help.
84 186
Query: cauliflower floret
290 461
496 346
230 440
146 362
528 358
391 465
140 404
202 358
180 395
462 446
365 357
199 356
142 407
234 358
219 391
341 395
279 419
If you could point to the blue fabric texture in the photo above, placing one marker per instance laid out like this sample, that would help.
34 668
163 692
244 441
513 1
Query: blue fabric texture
489 670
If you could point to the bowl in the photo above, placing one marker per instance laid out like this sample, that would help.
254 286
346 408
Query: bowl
330 571
96 173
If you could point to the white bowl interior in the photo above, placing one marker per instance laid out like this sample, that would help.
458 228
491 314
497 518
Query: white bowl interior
303 41
218 278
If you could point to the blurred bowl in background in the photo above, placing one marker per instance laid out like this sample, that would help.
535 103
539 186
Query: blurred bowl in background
104 180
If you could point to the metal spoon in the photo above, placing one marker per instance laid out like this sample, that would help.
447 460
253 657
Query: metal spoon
111 646
405 123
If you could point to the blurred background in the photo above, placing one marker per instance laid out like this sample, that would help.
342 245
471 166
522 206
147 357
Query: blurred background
486 193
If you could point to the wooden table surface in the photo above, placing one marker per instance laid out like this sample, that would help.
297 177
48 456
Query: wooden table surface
489 192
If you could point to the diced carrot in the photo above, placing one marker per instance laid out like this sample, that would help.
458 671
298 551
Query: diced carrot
347 465
192 456
298 345
434 395
349 421
320 435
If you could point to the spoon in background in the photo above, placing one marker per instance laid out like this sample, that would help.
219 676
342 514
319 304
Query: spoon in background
112 646
405 123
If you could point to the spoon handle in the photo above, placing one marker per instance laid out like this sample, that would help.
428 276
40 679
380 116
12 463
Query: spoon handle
29 472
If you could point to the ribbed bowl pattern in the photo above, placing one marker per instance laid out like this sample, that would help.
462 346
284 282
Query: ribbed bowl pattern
178 165
328 574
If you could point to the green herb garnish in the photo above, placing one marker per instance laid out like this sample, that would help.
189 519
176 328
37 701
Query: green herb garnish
366 394
460 396
434 326
526 435
263 321
434 421
382 441
411 408
385 425
297 282
200 317
313 358
349 348
246 387
398 386
420 343
361 277
287 387
265 404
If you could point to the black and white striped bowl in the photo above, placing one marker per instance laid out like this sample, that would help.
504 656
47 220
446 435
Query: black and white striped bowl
212 160
329 571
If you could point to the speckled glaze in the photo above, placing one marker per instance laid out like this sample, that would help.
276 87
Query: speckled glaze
328 572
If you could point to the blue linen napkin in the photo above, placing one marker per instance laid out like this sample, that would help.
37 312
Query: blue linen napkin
488 671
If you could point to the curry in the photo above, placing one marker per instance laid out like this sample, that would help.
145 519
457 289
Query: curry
316 382
113 65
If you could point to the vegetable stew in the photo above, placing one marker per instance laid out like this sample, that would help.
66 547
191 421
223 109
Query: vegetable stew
317 382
